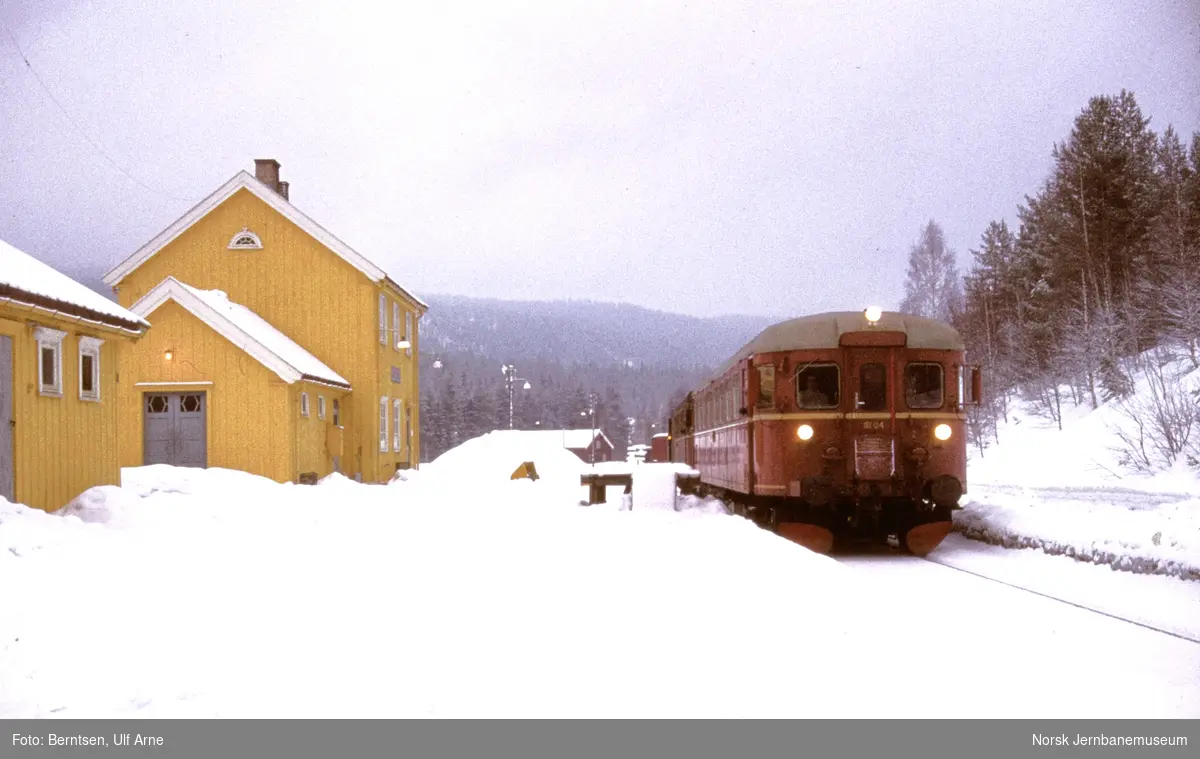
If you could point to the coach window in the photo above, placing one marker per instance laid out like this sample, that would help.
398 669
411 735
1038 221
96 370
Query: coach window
872 387
766 386
923 384
817 386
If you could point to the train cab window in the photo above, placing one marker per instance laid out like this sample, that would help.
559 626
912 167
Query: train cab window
817 386
872 387
923 385
766 386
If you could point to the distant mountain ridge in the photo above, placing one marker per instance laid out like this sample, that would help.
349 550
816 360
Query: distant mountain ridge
580 332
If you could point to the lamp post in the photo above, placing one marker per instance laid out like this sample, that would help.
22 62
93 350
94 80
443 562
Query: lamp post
510 377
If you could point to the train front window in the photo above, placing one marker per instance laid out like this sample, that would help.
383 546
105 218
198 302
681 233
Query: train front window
923 384
872 387
817 386
766 386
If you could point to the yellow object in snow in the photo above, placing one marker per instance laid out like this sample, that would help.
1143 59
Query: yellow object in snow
527 469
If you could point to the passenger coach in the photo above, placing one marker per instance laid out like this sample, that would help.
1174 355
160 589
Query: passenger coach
837 426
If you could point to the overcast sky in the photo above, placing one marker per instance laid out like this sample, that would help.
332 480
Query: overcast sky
707 157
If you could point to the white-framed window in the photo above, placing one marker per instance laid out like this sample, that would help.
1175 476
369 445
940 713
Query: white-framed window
337 413
320 407
408 332
396 326
383 318
303 404
396 425
383 424
49 342
89 368
245 240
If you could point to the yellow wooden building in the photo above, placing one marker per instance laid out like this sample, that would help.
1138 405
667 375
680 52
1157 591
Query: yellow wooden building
277 349
60 344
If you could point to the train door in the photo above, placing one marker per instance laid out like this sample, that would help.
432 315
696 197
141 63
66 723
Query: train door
871 421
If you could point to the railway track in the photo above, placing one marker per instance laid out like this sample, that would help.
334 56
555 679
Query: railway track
1059 599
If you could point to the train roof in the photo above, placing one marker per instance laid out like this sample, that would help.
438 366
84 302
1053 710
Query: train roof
824 331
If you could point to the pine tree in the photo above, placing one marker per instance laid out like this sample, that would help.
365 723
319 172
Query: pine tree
932 287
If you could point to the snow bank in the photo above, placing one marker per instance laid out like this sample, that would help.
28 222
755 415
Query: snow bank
1136 531
1065 492
333 601
492 459
211 594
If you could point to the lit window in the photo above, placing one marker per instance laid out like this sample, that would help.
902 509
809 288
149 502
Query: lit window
303 404
89 368
383 318
320 407
49 342
396 425
383 424
245 240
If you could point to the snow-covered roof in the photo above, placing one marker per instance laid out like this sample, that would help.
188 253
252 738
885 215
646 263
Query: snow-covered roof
244 180
573 439
245 329
824 331
26 280
661 434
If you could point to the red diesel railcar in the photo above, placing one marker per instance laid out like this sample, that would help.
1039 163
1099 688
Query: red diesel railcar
837 426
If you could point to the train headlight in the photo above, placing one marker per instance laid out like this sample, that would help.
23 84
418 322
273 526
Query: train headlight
804 432
942 432
873 313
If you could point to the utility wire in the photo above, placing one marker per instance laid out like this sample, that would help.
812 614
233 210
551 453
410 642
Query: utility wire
79 129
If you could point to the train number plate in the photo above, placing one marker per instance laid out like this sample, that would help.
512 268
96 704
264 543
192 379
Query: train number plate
873 424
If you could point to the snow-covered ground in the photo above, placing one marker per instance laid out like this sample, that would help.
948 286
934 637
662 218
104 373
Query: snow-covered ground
1065 492
456 591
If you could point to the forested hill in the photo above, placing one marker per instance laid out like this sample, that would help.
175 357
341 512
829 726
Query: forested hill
636 360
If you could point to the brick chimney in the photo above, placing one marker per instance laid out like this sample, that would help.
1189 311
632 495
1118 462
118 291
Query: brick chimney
267 172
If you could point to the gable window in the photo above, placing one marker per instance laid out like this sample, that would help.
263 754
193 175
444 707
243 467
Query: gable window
89 368
337 413
383 318
396 425
320 407
49 342
383 424
303 404
245 240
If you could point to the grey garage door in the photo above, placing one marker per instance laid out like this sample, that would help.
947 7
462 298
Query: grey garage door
6 418
175 430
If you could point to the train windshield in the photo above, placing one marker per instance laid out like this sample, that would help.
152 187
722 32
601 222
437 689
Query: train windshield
872 387
923 385
817 386
766 386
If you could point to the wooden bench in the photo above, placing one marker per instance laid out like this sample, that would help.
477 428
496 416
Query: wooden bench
597 484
